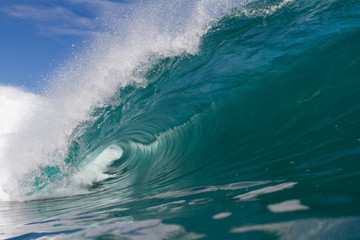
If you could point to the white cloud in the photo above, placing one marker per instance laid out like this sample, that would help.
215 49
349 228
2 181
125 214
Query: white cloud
100 6
60 19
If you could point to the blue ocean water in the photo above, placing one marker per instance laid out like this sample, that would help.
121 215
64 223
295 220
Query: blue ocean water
194 120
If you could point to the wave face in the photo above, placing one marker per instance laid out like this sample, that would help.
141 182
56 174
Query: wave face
187 120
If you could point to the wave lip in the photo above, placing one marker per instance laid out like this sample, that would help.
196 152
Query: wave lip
93 76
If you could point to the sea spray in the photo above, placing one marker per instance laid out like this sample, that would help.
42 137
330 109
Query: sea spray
86 82
249 131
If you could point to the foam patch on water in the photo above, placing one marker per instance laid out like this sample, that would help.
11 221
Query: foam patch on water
204 189
167 206
338 228
287 206
146 229
271 189
221 215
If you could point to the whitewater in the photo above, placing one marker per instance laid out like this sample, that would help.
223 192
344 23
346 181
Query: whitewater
230 119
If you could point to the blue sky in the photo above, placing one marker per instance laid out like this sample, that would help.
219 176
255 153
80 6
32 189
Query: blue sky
37 36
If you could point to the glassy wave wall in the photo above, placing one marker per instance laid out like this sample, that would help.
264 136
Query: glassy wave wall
193 119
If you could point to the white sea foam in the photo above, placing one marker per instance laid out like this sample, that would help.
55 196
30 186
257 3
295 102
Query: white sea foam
42 128
249 196
145 229
287 206
94 170
221 215
268 11
310 228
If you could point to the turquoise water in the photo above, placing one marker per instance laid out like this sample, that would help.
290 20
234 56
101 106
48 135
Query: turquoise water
200 120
